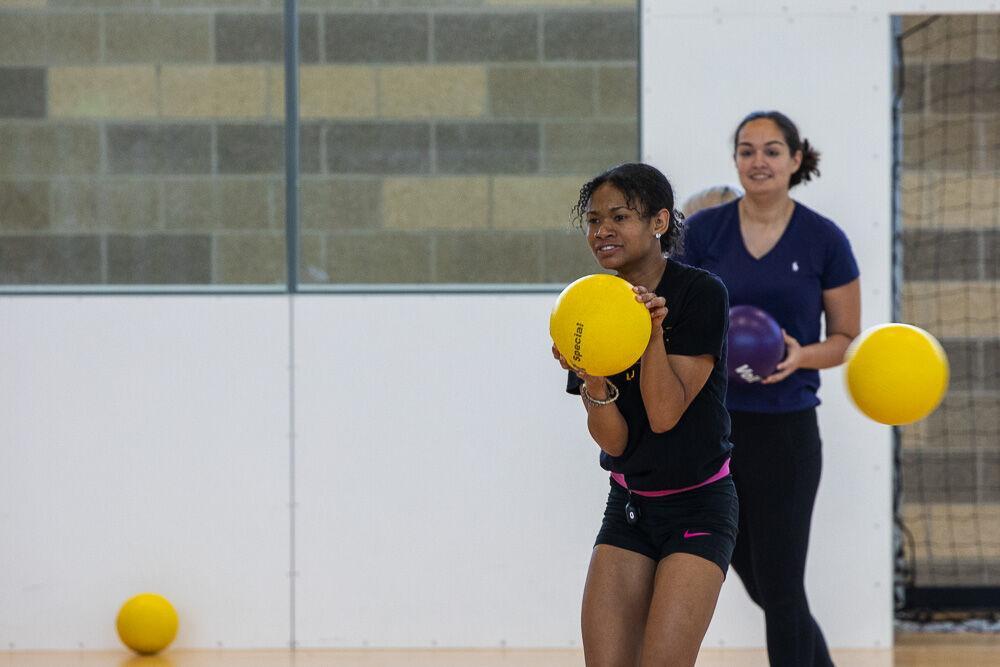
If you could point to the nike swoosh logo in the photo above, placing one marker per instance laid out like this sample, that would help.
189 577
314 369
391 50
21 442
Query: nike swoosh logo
688 534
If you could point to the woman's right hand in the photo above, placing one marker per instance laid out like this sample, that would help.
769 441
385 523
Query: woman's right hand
596 386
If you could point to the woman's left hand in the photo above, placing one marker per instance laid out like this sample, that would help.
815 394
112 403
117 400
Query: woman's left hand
657 305
788 365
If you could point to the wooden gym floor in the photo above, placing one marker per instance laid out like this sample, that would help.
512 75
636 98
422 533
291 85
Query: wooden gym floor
912 650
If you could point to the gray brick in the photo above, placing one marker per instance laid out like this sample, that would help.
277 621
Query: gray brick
252 259
931 476
380 258
964 420
488 148
159 259
991 254
119 204
159 149
941 255
103 4
24 205
913 88
489 257
485 37
589 147
945 571
159 38
340 204
972 86
50 260
253 149
215 204
387 38
22 92
242 38
547 92
567 256
963 143
965 363
990 367
377 148
72 39
48 150
585 35
617 91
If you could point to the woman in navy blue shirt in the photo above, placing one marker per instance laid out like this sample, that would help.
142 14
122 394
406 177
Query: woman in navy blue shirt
669 527
774 253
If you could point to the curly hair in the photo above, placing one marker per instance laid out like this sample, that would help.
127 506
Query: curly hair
647 191
810 156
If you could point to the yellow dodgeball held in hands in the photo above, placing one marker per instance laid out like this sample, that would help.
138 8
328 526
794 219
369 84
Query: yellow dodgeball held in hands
598 325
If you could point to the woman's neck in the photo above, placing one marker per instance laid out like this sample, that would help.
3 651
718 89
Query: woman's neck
766 209
647 275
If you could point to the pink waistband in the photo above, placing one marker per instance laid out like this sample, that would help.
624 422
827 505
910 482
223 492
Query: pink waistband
723 471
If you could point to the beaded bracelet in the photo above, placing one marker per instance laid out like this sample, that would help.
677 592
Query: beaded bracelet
612 394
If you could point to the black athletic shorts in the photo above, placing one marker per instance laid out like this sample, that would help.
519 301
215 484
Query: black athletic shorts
702 522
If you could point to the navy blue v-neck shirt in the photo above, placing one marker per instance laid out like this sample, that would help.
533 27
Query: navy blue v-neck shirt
812 255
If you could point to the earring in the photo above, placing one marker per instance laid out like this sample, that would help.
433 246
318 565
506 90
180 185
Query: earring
658 235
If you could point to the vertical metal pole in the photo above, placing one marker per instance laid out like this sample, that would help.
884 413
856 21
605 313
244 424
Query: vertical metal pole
292 143
291 23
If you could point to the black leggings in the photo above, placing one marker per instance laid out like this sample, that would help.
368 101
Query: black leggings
776 467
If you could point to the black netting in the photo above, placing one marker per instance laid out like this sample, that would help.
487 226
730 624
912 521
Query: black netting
947 179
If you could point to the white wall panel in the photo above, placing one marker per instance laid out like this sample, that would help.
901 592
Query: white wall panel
143 447
448 491
828 68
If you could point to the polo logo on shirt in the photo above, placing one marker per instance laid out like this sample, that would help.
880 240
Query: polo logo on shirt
629 376
795 266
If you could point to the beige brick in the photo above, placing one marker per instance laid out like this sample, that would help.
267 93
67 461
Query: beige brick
155 38
534 202
948 39
260 259
213 92
257 259
22 4
953 308
24 205
617 91
957 530
548 92
102 92
592 4
106 205
988 37
48 39
340 204
48 149
326 92
950 199
435 203
215 204
422 92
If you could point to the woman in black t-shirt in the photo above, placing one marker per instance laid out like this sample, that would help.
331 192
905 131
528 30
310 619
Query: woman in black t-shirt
670 524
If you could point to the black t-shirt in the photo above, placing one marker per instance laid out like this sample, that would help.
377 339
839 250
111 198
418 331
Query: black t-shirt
696 447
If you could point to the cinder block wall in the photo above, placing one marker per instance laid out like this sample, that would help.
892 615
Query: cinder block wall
443 141
950 194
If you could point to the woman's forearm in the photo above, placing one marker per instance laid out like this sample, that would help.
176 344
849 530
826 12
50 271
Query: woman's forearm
662 391
605 422
825 354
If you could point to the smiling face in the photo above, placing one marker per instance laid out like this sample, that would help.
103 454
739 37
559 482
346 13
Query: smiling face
763 159
620 237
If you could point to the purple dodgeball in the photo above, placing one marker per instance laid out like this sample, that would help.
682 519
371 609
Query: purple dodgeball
756 344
